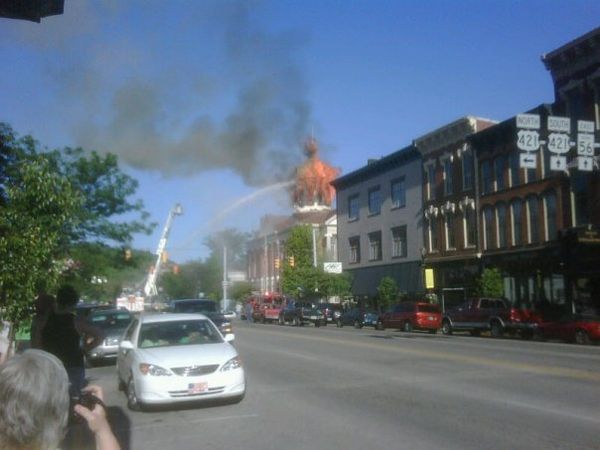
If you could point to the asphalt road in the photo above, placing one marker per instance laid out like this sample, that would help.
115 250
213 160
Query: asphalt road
329 388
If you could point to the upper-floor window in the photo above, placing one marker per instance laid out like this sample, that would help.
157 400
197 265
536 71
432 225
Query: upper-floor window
468 170
431 182
448 184
501 221
433 234
514 168
486 177
499 171
353 207
375 246
398 193
533 229
550 210
517 218
354 247
375 201
488 227
450 232
470 221
399 244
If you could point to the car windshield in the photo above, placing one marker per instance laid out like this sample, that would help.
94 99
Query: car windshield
184 332
110 320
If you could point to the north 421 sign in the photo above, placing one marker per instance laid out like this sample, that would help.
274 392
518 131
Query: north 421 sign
528 140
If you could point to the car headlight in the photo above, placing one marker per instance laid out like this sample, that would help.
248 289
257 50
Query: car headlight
233 363
154 370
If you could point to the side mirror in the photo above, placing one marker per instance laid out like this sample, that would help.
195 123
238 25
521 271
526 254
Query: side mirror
229 337
126 345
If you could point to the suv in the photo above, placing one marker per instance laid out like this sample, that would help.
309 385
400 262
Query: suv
299 313
331 311
489 314
206 307
359 317
413 316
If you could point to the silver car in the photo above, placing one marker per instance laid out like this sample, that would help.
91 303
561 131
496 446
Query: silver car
113 323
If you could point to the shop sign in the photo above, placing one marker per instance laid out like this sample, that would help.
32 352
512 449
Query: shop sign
588 236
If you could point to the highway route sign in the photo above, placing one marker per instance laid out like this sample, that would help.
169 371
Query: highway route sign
528 140
585 144
585 126
559 124
528 121
558 163
585 163
559 143
527 160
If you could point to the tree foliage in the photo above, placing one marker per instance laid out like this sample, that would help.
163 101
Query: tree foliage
490 283
387 292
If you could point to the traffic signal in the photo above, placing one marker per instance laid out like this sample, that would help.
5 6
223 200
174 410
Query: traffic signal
291 261
277 263
127 254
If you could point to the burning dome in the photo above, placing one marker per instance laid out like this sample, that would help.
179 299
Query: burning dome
313 190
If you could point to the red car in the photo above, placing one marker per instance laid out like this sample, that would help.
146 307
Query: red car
410 316
581 329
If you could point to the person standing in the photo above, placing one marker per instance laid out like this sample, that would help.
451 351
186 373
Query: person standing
64 336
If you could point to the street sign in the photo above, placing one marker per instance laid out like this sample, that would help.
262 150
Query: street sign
558 163
528 121
559 143
527 160
585 144
585 163
332 267
560 124
528 140
585 126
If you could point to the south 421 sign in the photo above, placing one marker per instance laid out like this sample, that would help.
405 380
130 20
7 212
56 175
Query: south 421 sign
559 143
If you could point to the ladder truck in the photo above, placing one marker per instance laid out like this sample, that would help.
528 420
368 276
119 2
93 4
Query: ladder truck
150 290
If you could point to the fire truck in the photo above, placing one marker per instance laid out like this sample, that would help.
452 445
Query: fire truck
266 307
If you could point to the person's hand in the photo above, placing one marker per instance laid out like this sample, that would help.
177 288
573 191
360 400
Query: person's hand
97 421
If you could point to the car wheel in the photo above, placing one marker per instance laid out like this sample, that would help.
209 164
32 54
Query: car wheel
496 329
339 323
296 321
132 401
357 324
581 337
446 327
407 327
317 323
281 320
379 325
262 320
538 335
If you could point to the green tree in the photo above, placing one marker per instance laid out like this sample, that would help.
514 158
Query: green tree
336 284
301 279
387 292
40 205
490 283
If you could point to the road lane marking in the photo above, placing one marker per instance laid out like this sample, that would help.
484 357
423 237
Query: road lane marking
537 369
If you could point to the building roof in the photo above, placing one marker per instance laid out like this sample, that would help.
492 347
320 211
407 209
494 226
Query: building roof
591 38
378 166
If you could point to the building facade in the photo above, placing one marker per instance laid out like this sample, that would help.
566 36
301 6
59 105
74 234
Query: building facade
379 220
451 240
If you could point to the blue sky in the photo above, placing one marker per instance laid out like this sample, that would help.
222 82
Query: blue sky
208 102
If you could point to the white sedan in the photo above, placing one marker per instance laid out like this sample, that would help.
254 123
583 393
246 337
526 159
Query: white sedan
169 358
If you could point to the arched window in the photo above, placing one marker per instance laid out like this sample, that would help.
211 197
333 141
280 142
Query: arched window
533 212
488 227
516 218
550 215
501 222
500 172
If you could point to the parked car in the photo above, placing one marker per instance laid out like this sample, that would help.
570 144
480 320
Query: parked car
229 314
578 328
113 323
409 316
84 309
203 306
489 314
331 311
172 358
300 313
359 318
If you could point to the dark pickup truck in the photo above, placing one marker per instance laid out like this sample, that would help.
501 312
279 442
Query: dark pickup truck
489 314
300 313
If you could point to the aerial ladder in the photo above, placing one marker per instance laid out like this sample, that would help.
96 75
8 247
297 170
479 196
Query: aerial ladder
150 286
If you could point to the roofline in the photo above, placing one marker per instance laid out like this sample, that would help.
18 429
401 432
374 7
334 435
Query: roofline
450 125
546 57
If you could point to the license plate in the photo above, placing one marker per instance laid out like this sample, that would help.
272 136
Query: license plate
431 318
196 388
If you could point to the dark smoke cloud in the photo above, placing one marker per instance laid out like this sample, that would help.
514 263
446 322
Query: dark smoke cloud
152 126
